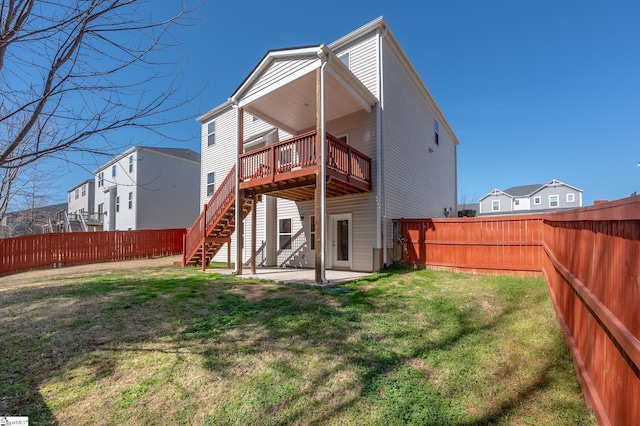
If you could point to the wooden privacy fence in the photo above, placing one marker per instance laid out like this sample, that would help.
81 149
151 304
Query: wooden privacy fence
590 259
75 248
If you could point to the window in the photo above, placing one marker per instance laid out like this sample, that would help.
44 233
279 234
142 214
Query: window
210 184
537 200
344 138
131 163
113 170
100 179
211 133
571 198
100 209
312 232
284 234
345 58
117 204
554 200
495 205
130 200
255 119
84 190
77 193
436 129
516 202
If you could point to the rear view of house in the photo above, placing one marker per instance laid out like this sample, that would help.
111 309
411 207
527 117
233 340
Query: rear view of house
325 146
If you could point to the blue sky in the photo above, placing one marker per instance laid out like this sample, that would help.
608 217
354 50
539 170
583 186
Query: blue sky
534 90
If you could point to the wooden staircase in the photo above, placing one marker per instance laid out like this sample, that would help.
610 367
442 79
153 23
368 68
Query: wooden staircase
215 225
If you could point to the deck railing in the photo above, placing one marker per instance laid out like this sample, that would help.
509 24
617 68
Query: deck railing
269 163
211 213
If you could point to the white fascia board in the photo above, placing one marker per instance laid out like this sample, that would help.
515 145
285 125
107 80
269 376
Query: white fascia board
207 116
281 83
266 63
365 105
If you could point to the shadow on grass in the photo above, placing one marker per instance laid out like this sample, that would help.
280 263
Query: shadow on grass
48 331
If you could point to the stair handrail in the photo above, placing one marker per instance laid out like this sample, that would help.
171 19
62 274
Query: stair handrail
67 224
85 228
211 214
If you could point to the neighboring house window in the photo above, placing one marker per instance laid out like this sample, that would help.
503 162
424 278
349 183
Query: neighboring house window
312 232
211 133
436 128
554 200
84 190
537 200
130 163
345 58
130 200
284 234
77 193
117 204
495 205
100 179
100 209
210 184
516 202
113 170
571 198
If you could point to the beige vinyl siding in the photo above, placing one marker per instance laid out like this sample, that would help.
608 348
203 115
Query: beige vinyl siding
419 176
363 62
279 70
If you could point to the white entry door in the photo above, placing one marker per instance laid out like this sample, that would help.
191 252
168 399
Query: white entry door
341 241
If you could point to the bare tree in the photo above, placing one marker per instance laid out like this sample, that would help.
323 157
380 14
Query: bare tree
73 72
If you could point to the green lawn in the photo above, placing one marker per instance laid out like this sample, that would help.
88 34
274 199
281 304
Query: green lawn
165 345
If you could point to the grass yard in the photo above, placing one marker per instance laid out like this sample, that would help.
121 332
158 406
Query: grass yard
156 344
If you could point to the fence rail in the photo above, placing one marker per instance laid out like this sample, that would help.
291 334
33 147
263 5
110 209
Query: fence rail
75 248
590 259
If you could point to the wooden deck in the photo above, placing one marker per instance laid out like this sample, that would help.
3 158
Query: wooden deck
288 169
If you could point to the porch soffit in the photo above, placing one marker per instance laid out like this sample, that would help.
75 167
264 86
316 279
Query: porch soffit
282 90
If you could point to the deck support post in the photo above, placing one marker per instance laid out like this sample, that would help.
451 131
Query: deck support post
239 192
204 239
320 201
253 234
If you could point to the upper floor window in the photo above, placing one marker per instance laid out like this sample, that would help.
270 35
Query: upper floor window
537 200
100 179
131 163
77 193
113 170
117 204
130 200
345 58
495 205
210 184
84 190
255 119
436 128
554 200
211 133
571 197
516 202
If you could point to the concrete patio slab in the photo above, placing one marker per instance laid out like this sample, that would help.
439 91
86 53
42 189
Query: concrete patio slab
296 276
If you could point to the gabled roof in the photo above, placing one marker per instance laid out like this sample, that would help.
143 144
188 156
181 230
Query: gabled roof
181 153
528 190
522 190
81 183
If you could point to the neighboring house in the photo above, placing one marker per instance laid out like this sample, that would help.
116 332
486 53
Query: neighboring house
80 215
148 188
552 196
330 144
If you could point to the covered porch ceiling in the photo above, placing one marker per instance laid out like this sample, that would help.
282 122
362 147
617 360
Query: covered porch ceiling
282 89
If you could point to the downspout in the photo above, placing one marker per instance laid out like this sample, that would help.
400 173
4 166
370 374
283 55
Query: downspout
381 216
238 212
323 170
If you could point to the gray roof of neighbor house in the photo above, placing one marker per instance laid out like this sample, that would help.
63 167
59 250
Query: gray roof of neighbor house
522 190
183 153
